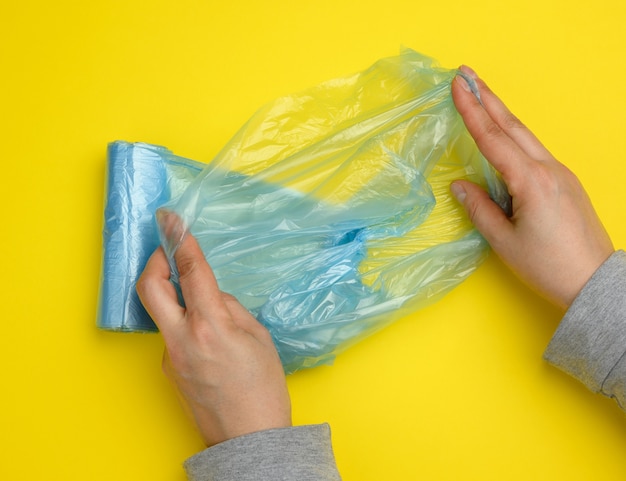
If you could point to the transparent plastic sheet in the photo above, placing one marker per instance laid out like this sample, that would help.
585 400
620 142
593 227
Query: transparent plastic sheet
328 215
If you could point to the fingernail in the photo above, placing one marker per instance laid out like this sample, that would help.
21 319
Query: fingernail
458 191
463 83
468 81
468 71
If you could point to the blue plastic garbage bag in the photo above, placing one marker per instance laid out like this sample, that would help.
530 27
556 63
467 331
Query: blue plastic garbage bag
328 215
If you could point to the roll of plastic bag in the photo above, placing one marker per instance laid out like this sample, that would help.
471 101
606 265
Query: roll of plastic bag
140 178
328 215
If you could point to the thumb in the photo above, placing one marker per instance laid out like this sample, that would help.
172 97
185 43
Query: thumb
484 213
197 281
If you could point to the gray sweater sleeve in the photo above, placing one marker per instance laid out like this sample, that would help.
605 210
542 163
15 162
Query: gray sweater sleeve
590 342
301 453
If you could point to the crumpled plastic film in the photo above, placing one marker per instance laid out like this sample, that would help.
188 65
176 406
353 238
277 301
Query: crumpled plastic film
328 215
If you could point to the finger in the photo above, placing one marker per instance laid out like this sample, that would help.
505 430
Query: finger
508 122
494 143
157 294
198 284
172 228
484 213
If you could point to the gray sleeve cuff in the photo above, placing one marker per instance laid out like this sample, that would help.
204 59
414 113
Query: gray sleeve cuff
590 342
302 453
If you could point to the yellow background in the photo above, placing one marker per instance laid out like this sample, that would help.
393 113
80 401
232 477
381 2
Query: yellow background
456 392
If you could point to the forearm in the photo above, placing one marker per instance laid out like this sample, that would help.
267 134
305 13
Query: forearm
590 343
302 453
